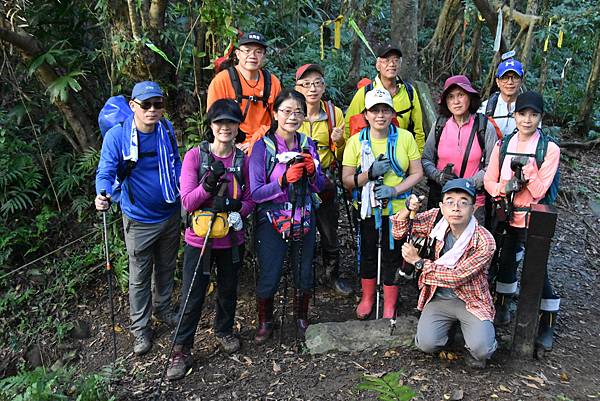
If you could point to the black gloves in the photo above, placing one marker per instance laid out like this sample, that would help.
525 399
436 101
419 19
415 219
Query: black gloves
513 185
447 174
225 204
217 170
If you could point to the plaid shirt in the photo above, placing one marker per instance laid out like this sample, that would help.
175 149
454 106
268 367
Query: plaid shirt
468 278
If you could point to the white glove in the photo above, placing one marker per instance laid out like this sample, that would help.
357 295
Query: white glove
235 221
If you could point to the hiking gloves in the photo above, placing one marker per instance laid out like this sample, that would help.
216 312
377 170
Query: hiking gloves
216 171
292 174
447 174
513 185
225 204
309 164
379 167
384 192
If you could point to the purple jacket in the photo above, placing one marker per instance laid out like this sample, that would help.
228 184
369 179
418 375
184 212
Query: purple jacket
194 197
265 190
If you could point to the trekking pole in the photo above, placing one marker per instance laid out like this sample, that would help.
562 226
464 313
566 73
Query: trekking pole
303 185
291 259
189 292
109 277
379 251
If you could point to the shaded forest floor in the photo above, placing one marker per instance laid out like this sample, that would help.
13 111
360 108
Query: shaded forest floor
287 372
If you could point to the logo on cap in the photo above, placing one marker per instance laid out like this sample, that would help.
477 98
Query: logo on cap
252 36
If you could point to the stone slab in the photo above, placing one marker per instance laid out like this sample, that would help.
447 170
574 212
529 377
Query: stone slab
356 335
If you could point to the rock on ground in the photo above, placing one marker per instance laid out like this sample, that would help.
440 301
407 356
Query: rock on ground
356 335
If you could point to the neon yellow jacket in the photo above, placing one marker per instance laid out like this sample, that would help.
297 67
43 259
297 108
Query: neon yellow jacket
318 130
401 102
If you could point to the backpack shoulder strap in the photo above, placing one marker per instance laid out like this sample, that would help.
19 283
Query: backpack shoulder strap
235 82
541 148
172 137
392 145
206 158
267 88
302 141
491 104
437 132
270 153
238 164
410 91
504 147
481 123
368 87
474 133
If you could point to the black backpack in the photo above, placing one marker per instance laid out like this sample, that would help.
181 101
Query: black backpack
206 159
239 96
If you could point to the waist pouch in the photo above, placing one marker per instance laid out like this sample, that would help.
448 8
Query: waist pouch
296 227
201 221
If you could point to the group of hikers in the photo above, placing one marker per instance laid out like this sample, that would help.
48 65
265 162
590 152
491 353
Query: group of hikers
276 159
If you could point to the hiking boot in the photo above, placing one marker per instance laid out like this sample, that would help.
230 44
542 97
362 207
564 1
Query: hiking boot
180 363
545 336
169 318
471 362
264 330
502 305
390 299
301 301
229 343
142 344
365 307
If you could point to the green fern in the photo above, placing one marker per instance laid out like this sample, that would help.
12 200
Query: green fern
387 387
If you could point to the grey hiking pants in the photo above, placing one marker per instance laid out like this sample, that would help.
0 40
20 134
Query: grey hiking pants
437 319
152 250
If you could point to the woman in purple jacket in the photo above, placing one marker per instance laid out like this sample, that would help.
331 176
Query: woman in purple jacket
284 175
205 169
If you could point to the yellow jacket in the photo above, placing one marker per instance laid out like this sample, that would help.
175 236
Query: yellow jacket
318 130
401 102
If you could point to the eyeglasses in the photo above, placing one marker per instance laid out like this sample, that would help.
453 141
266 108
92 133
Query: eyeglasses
506 78
256 52
391 60
287 113
147 105
306 85
461 204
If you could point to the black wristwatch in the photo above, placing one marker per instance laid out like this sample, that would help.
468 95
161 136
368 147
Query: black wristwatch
419 264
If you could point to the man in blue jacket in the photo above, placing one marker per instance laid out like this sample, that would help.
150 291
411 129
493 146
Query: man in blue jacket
141 153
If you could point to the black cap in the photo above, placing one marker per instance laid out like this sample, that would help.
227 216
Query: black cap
387 48
253 37
530 100
225 109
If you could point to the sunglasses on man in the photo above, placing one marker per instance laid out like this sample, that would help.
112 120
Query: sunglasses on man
146 105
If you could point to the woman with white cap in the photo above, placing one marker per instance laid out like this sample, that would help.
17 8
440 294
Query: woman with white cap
381 165
459 145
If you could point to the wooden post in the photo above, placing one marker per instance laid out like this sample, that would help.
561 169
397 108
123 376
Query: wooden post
542 224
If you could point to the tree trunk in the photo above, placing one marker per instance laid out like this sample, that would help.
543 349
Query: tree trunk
587 103
29 47
439 49
364 14
472 64
404 33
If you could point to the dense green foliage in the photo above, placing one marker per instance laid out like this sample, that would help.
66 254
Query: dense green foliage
43 385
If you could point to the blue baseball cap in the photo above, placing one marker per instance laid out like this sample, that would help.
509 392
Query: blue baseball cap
145 90
510 64
460 184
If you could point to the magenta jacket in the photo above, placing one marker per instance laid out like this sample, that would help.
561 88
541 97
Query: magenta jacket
194 197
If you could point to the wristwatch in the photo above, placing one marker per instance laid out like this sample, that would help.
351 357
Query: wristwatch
419 264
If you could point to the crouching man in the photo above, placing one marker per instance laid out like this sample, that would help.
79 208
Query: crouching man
453 284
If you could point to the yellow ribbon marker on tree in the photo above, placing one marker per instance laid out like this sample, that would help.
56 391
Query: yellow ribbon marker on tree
337 35
560 39
547 41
